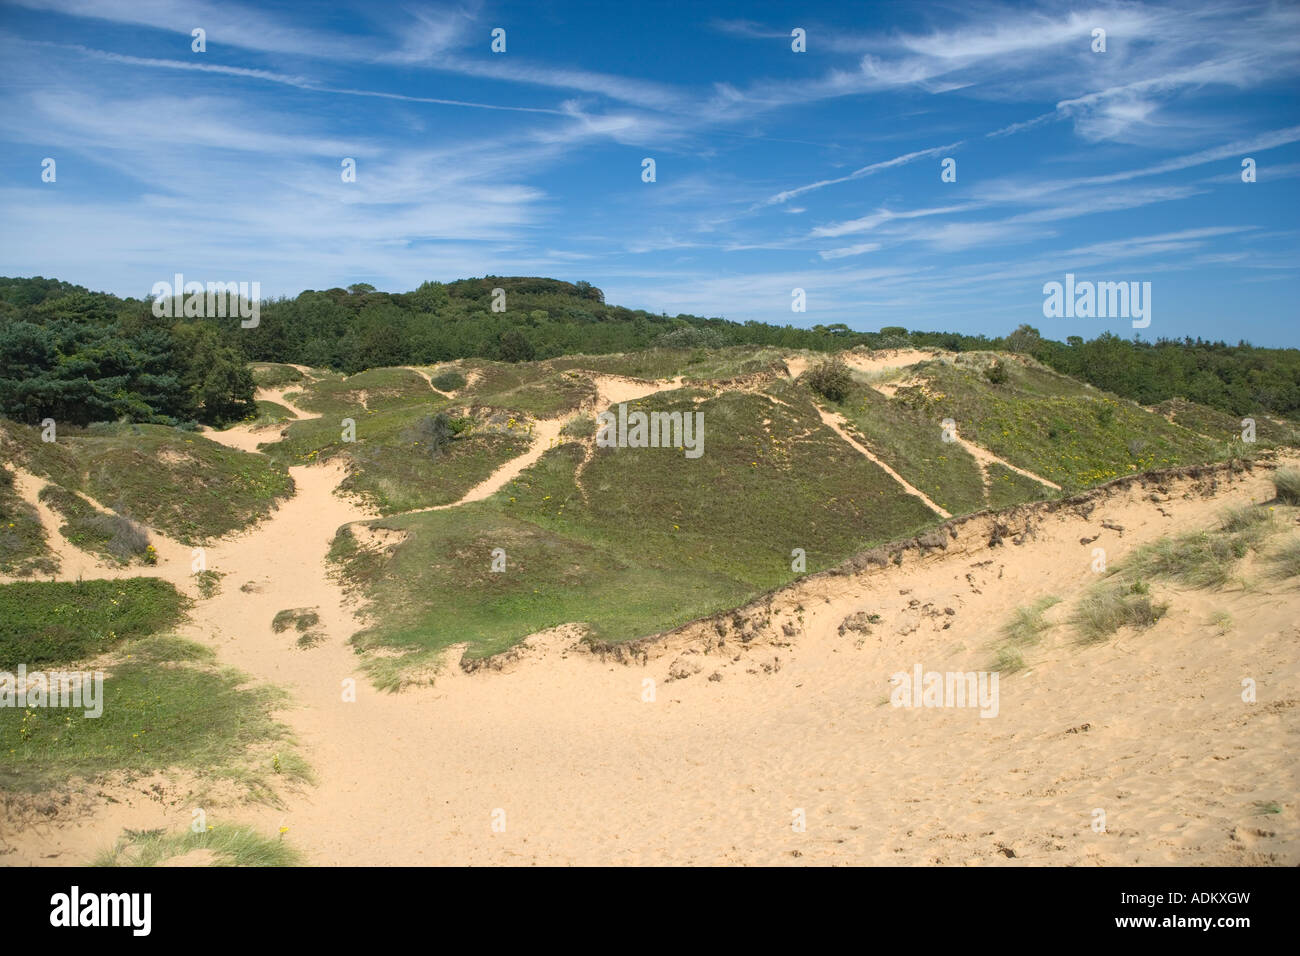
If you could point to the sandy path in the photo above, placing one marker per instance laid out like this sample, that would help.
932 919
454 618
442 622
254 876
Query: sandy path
173 558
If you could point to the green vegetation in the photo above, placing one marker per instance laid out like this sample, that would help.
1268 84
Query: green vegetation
1051 426
1286 559
547 398
271 375
186 486
910 443
166 705
448 380
79 356
579 426
400 459
227 845
1203 559
1200 559
1007 487
632 542
830 379
304 620
1028 623
270 413
60 622
1024 629
209 582
1113 604
1222 427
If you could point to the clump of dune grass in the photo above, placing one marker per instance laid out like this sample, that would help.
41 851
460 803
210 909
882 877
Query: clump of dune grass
228 846
301 618
1285 560
209 582
1024 628
1239 518
1222 620
1008 660
305 620
1027 623
1286 481
1114 604
1204 558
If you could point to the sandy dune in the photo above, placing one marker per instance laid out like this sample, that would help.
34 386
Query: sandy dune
562 745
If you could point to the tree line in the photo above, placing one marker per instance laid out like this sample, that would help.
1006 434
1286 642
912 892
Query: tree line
78 356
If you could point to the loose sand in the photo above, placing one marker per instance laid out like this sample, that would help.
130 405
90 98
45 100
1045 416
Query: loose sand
560 743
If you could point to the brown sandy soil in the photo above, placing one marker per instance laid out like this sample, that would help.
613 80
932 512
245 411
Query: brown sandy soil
560 741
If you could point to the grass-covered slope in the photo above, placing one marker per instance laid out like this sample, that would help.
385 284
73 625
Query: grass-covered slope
1053 426
629 541
181 483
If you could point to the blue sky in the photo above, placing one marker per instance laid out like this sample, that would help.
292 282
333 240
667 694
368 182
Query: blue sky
775 169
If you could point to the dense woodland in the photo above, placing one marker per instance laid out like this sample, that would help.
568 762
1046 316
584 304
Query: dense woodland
79 356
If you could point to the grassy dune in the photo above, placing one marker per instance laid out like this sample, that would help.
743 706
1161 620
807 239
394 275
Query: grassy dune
635 541
1052 426
187 486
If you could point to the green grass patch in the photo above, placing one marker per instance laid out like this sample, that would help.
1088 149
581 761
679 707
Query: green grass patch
270 413
375 390
209 582
1053 426
1028 623
1110 605
1204 559
1285 561
273 375
59 622
579 426
644 540
1222 427
448 380
1024 629
394 464
1007 487
547 398
910 443
165 705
